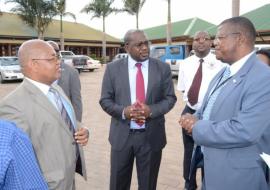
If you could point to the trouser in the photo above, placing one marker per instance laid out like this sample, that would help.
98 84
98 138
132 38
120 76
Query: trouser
190 183
147 163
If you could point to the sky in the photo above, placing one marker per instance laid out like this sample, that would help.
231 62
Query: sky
154 13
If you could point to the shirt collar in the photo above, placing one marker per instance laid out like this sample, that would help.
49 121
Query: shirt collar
43 87
132 62
207 60
236 66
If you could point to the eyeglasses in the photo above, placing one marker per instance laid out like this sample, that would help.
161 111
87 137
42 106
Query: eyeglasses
140 45
201 39
54 58
221 37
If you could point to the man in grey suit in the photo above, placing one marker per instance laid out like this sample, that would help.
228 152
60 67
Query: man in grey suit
136 91
35 107
70 82
233 125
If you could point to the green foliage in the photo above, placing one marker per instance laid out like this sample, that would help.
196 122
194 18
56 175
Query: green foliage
36 13
133 6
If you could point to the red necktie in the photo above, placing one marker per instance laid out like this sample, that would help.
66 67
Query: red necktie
194 89
140 95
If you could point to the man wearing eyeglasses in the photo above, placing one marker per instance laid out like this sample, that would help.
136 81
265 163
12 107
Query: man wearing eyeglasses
137 92
69 81
43 111
233 122
195 74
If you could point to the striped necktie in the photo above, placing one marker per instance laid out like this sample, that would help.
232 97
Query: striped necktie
215 93
61 108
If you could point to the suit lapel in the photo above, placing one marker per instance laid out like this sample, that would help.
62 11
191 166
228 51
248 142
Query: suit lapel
232 84
123 67
152 70
38 97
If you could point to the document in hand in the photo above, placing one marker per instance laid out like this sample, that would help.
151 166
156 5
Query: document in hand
266 158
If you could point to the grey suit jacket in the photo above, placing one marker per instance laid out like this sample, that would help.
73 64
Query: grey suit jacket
115 96
238 130
70 83
53 142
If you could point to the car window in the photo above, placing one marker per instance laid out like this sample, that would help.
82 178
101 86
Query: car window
158 52
174 50
9 61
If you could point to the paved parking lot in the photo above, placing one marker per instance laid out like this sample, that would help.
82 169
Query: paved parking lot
97 152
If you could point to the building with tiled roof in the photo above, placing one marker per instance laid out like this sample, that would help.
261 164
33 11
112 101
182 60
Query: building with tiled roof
182 31
79 38
260 17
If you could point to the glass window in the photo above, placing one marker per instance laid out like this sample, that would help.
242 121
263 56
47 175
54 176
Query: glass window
174 50
158 52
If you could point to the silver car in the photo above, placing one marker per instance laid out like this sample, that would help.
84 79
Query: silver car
10 69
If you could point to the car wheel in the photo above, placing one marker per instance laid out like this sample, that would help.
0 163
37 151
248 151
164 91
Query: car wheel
1 79
91 70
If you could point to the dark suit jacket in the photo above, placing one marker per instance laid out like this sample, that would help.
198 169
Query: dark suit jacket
70 83
115 96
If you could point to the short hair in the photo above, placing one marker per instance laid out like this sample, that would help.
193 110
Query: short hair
264 52
244 25
201 31
127 37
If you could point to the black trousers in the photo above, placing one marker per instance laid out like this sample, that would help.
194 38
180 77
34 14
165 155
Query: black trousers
147 163
190 182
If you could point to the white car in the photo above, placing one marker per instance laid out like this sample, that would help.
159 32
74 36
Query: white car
92 64
120 56
10 69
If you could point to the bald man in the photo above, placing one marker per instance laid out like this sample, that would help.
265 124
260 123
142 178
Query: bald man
43 111
69 81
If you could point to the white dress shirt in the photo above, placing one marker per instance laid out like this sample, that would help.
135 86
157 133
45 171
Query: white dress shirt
187 70
132 71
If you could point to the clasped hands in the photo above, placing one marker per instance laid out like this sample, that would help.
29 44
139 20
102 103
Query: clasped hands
187 122
137 112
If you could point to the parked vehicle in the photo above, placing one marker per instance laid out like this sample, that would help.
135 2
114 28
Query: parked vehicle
77 61
171 55
92 64
10 69
120 56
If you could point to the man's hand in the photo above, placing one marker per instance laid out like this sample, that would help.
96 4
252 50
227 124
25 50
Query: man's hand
138 112
81 136
187 122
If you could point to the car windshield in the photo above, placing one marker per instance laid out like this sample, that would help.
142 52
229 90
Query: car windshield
9 61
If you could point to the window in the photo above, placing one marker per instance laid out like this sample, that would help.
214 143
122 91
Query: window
174 50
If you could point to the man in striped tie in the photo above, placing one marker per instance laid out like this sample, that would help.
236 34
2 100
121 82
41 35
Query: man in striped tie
233 125
51 128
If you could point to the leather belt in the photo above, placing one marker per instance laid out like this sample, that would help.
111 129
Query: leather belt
136 130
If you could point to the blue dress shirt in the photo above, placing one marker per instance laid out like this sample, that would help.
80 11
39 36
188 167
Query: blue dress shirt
18 165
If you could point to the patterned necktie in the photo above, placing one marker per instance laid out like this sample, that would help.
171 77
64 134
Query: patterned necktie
140 93
215 93
61 108
194 89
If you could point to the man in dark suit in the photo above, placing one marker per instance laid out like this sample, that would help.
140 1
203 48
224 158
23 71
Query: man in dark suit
70 82
137 91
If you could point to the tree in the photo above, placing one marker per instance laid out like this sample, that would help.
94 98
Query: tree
133 7
60 6
100 9
169 24
36 13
